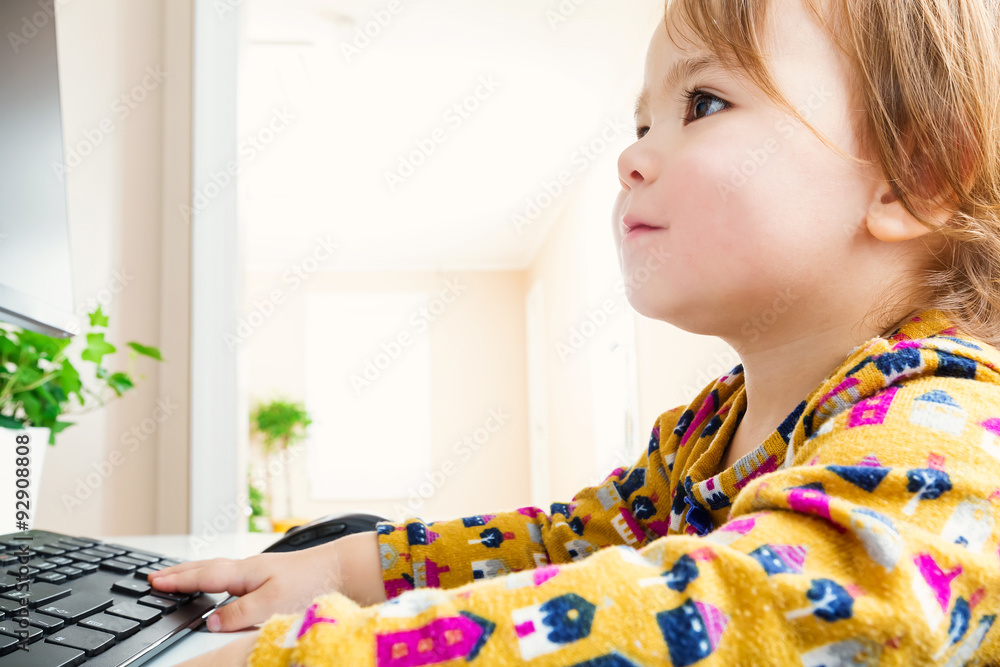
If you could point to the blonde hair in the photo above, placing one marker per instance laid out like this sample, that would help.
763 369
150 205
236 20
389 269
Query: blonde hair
925 85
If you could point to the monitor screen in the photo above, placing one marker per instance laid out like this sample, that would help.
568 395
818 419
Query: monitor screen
35 283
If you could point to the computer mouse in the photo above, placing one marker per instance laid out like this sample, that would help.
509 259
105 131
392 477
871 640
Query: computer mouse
323 530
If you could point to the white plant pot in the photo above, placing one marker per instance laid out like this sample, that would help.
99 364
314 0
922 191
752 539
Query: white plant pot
9 504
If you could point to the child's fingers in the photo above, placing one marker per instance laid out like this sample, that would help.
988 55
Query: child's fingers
175 569
243 612
214 576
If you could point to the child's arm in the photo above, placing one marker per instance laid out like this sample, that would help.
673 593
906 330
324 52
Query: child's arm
448 554
877 544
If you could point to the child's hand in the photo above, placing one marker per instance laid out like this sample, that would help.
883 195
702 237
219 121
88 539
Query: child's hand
276 583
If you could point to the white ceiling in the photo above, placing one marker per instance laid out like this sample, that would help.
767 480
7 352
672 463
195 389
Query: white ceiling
558 86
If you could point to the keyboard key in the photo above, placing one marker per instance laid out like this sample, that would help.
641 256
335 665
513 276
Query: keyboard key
113 550
38 593
84 557
12 628
86 567
70 572
8 644
90 641
60 560
77 605
17 545
179 598
163 604
51 577
116 625
41 653
144 572
45 622
30 572
130 610
100 555
67 545
79 542
50 551
143 556
131 586
118 566
42 565
7 582
131 561
8 606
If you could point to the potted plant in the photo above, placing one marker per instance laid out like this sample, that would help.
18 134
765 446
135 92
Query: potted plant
257 514
40 385
280 424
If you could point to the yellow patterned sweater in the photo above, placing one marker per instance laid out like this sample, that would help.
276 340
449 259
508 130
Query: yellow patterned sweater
863 531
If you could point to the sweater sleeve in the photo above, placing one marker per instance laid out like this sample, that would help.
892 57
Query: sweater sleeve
447 554
876 545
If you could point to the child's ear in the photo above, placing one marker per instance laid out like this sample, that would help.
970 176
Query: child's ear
888 220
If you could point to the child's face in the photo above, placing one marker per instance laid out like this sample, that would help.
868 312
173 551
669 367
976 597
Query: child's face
755 212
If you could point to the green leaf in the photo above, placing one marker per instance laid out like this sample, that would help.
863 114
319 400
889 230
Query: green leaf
11 423
70 379
97 318
145 350
120 383
97 347
57 427
32 407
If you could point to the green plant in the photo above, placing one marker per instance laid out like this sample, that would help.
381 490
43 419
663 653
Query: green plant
280 424
38 378
256 507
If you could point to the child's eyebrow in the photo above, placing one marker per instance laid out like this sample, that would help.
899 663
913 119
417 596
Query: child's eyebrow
683 69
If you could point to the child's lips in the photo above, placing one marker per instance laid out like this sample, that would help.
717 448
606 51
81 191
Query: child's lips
641 230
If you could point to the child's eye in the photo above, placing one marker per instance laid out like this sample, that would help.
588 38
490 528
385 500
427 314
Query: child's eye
695 100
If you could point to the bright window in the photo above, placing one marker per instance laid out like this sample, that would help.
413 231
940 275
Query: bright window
369 396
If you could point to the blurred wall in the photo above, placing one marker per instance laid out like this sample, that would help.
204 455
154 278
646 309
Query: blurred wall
125 80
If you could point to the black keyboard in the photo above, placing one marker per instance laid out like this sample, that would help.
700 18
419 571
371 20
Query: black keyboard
88 602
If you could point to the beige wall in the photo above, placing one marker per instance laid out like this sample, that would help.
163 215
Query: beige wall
123 224
477 349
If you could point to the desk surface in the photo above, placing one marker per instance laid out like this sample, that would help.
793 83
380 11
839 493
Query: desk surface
193 547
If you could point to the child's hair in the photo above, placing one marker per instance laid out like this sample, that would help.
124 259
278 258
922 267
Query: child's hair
925 82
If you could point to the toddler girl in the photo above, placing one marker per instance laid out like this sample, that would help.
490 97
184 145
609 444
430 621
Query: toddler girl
825 178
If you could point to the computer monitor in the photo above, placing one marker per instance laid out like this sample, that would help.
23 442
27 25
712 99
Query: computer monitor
36 290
